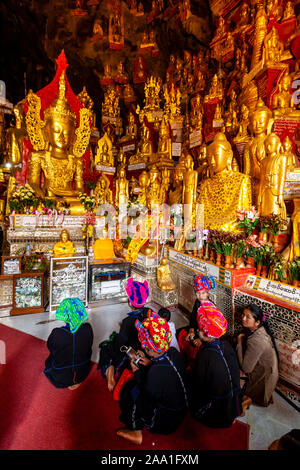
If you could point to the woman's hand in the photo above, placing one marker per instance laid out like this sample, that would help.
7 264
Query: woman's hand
241 338
144 360
197 342
133 366
190 334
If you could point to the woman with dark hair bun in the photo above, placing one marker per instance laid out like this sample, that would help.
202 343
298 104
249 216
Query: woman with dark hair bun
258 357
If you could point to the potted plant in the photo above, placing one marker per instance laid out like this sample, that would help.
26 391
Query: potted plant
91 179
217 245
227 248
269 254
89 202
294 272
259 257
278 267
264 225
248 219
277 223
251 247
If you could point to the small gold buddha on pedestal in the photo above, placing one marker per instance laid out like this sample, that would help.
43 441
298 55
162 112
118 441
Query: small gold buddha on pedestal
189 190
203 168
64 247
175 194
287 149
58 150
215 91
103 193
163 276
273 50
122 189
243 134
104 155
144 149
164 151
226 191
154 190
143 185
283 104
273 170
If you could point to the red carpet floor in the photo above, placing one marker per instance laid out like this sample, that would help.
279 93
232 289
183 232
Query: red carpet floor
34 415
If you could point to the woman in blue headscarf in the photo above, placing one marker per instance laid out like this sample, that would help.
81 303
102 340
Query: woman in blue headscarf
70 346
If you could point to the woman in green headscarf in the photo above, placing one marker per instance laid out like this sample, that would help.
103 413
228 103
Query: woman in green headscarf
70 346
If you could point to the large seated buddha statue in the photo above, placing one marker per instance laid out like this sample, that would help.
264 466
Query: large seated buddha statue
226 191
58 148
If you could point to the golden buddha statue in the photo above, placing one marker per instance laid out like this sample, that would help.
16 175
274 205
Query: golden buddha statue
144 148
293 249
273 50
163 276
175 194
261 124
203 168
189 190
230 116
154 190
243 133
103 193
226 191
130 129
172 102
58 148
122 188
283 104
164 151
104 155
287 149
128 94
215 91
165 182
274 8
103 248
64 247
14 136
289 11
121 159
244 21
197 113
272 179
143 185
261 22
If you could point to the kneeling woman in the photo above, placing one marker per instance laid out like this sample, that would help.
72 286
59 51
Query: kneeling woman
156 398
258 357
187 339
70 346
216 394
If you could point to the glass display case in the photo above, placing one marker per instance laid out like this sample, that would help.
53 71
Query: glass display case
107 280
28 293
10 265
6 291
68 278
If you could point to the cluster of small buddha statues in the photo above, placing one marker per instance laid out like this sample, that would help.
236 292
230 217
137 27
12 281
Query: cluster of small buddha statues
239 160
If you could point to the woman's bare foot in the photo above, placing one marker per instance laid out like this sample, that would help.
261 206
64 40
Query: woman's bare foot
136 437
73 387
110 375
245 404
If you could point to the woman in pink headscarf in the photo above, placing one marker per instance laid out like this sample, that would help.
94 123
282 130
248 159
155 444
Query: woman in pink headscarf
216 393
188 340
112 361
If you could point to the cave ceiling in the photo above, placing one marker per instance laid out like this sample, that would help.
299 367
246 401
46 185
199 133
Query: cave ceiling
33 33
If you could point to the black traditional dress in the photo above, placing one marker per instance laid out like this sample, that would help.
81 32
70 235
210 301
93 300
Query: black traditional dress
69 361
215 392
110 353
156 398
